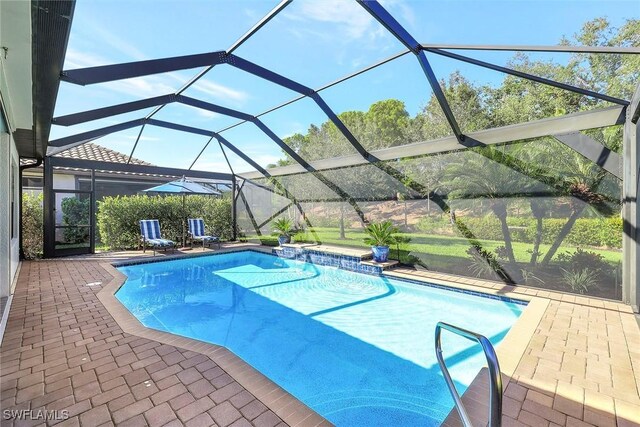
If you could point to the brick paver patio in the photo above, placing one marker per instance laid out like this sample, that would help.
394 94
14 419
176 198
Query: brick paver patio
63 350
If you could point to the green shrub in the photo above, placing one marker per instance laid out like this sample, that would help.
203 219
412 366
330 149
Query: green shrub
118 217
585 232
32 219
75 212
433 225
485 228
582 260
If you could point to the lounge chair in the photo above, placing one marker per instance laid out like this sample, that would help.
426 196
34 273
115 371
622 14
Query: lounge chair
150 231
197 233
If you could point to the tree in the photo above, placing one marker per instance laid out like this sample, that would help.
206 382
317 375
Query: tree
484 177
465 100
582 184
386 124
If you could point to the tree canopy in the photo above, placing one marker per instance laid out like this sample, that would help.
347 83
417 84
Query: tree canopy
387 123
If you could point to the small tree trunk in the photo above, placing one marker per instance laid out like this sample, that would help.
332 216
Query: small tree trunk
536 243
507 239
406 225
537 209
342 235
500 210
564 232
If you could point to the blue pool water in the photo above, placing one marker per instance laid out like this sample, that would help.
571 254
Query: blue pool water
357 349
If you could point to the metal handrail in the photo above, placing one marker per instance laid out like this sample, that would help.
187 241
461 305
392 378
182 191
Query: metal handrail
495 389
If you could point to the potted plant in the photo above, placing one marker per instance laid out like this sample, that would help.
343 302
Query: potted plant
380 236
283 227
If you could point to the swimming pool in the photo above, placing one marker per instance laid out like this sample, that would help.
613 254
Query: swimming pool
357 349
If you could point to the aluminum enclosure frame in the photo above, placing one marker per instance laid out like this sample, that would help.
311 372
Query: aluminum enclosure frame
564 128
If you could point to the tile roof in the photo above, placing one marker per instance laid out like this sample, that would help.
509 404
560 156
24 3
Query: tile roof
90 151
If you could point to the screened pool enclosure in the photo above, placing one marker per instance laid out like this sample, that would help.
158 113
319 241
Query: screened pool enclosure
525 173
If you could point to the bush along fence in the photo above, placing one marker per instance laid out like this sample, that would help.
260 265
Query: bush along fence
597 232
75 212
118 217
32 218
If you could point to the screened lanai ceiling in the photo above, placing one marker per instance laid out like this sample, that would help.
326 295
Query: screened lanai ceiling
221 86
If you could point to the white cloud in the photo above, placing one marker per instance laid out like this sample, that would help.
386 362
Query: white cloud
117 43
252 13
218 91
146 86
403 10
142 86
207 114
344 26
142 138
213 166
77 59
352 19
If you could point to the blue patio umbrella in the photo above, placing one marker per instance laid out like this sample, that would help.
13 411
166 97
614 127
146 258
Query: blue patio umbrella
183 187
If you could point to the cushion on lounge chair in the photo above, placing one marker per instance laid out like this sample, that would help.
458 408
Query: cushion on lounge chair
160 242
150 230
196 229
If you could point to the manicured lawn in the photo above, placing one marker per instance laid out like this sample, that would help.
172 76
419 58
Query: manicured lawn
437 245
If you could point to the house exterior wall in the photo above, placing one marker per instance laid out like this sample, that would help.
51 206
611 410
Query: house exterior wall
15 113
9 209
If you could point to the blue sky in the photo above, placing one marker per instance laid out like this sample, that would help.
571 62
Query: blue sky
312 42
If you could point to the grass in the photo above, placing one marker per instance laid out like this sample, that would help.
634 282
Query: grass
435 246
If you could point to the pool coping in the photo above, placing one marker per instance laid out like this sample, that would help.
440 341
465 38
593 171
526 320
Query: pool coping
289 408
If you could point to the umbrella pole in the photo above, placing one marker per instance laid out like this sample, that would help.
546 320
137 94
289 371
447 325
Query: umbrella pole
184 240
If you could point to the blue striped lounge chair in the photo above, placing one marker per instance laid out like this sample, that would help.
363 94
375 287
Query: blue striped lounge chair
197 233
150 231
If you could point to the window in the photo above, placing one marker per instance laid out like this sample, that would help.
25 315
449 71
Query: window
32 182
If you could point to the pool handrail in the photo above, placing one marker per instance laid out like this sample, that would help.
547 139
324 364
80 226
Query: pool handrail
495 378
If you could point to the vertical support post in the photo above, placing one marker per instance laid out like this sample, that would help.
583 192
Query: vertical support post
234 211
20 228
630 212
92 214
49 230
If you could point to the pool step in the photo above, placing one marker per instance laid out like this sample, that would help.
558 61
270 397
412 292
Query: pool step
388 265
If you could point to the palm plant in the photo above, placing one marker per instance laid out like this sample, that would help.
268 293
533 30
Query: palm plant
582 182
283 227
381 234
581 280
482 175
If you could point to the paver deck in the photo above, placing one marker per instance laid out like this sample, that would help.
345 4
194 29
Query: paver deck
580 368
63 350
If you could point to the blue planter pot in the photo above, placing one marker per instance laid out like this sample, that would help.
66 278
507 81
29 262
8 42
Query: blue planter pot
380 253
284 239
